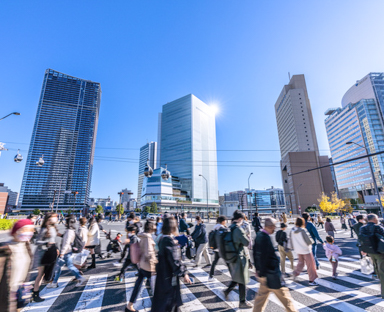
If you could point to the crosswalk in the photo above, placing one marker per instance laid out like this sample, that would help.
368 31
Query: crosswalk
352 291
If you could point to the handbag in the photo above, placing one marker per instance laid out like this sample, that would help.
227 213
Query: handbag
366 265
275 279
80 258
49 256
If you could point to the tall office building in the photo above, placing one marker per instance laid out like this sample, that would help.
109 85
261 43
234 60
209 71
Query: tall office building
147 153
359 120
64 134
298 148
188 147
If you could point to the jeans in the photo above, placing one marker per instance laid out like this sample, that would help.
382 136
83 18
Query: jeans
351 233
314 251
215 261
138 284
242 290
67 259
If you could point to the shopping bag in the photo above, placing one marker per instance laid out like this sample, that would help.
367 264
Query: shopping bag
153 283
366 265
81 257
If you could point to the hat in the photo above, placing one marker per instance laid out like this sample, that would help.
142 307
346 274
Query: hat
19 224
283 225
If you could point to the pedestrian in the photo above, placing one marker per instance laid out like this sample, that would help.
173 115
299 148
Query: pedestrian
246 226
66 254
267 270
130 222
83 233
15 260
285 219
320 221
369 244
220 224
356 229
200 237
342 221
256 222
159 225
332 252
301 243
93 240
167 296
329 227
147 262
101 229
282 245
351 223
183 226
240 268
46 247
314 235
132 239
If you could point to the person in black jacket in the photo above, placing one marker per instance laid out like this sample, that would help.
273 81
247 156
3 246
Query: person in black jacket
169 269
282 241
200 237
256 222
183 227
267 263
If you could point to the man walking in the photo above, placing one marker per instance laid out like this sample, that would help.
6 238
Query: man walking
315 236
220 224
351 223
256 222
183 227
356 229
267 267
367 238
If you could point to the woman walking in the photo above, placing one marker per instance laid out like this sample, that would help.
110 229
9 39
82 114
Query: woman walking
46 251
167 297
200 237
343 223
329 227
147 262
93 240
320 221
301 243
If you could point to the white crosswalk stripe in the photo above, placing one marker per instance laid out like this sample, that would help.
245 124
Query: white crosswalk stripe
91 299
190 302
143 302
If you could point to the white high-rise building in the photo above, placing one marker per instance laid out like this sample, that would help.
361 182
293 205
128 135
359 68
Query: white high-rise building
187 140
147 153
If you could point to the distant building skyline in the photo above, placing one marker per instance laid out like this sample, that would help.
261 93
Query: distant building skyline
64 135
148 153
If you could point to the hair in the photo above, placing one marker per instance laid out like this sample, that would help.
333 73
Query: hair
198 218
119 234
98 219
256 214
131 215
237 215
269 222
92 221
46 225
371 217
305 215
328 220
70 222
131 228
283 225
169 226
329 239
359 217
183 214
31 216
221 219
83 221
150 226
299 222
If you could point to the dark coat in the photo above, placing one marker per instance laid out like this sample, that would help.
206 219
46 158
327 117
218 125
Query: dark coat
200 235
183 226
264 255
313 232
256 223
168 297
240 269
356 228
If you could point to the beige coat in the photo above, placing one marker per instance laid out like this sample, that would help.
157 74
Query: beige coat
148 258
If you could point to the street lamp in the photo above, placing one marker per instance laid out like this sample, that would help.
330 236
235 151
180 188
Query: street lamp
14 113
298 198
373 175
206 183
249 193
121 194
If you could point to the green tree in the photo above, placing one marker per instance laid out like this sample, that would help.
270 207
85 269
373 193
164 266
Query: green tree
137 210
120 209
154 207
147 209
36 212
99 209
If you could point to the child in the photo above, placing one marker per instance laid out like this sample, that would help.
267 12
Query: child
332 252
114 245
132 239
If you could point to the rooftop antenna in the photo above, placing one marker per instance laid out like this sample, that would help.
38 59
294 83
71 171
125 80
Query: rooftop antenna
289 76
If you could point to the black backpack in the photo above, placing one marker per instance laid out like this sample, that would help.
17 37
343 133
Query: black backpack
212 239
227 249
77 245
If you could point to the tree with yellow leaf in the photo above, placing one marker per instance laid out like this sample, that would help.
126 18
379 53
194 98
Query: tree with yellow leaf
347 208
330 205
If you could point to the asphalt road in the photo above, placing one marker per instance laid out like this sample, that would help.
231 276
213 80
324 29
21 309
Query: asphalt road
353 291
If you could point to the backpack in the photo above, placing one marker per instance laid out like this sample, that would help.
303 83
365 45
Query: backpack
227 249
135 252
278 237
77 245
212 239
368 242
254 222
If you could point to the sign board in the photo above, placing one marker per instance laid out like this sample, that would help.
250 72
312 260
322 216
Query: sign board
107 208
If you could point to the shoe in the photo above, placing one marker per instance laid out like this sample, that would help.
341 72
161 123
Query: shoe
226 293
117 278
127 310
294 278
52 285
314 283
36 297
81 282
318 267
245 305
287 275
92 266
207 266
210 278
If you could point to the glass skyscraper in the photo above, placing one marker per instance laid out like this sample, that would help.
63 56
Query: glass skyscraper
187 142
148 152
64 134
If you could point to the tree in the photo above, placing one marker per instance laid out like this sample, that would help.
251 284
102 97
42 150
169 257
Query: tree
99 209
336 202
36 212
137 210
120 209
153 207
330 205
347 208
310 209
147 209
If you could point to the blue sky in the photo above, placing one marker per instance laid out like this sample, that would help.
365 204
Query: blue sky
146 53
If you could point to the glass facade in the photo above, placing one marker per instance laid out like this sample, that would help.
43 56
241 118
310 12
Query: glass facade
267 200
65 134
188 146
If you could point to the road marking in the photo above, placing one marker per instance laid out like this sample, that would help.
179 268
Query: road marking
143 302
50 295
190 302
91 299
345 270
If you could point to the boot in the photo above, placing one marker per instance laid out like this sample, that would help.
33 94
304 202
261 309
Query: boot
36 297
93 265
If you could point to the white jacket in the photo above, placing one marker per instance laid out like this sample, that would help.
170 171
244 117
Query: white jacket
68 238
83 232
300 241
93 235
